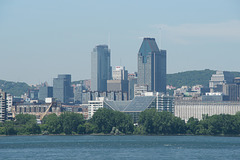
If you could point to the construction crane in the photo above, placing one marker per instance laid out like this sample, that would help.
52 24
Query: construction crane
45 113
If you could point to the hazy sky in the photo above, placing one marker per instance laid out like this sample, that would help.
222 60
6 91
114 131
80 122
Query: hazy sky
40 39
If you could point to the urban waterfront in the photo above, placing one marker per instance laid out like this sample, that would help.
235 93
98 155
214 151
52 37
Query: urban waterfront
119 147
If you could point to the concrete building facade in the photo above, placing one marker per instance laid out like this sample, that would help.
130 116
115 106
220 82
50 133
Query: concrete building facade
93 106
186 110
120 73
3 106
219 79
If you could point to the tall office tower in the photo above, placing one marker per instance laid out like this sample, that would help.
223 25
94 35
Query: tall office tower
62 89
101 69
45 92
152 66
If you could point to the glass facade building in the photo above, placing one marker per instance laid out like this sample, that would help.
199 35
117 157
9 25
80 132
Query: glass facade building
45 92
152 66
101 69
62 89
139 104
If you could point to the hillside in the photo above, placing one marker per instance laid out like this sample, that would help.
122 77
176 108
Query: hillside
191 78
188 78
14 88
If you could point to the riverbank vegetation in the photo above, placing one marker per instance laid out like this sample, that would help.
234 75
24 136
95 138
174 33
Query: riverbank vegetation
111 122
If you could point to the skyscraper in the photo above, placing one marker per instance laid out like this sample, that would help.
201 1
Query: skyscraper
45 92
101 69
62 89
152 66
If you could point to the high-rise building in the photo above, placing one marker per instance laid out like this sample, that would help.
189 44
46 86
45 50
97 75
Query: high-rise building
119 83
3 106
45 92
120 73
33 94
232 90
6 101
219 79
152 66
101 70
78 89
62 89
132 80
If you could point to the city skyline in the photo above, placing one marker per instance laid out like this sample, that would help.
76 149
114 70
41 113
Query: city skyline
40 40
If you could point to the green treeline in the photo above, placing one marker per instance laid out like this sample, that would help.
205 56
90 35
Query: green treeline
107 121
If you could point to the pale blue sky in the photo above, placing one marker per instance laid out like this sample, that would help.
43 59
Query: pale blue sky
40 39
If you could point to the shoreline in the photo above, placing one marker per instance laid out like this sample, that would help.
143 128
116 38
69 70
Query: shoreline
96 134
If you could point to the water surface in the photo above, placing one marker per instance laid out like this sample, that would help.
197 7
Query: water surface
119 147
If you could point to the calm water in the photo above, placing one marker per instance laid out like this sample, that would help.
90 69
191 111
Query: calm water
119 147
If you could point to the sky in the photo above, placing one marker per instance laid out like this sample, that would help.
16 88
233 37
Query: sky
41 39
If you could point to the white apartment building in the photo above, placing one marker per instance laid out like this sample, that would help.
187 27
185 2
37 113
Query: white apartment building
93 106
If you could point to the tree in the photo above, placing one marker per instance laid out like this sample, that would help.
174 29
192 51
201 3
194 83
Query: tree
9 128
191 125
81 129
152 122
148 120
26 124
53 125
22 119
105 119
70 121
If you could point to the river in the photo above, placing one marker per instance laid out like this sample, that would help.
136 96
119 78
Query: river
118 147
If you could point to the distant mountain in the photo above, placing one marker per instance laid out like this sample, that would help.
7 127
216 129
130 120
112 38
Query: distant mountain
191 78
14 88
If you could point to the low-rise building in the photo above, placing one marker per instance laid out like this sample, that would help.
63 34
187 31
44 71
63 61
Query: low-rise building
188 109
149 100
37 109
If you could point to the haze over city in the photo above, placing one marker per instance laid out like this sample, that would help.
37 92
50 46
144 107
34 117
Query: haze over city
41 39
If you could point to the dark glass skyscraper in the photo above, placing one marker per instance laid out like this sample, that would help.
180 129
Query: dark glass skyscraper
62 89
101 69
45 92
152 66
